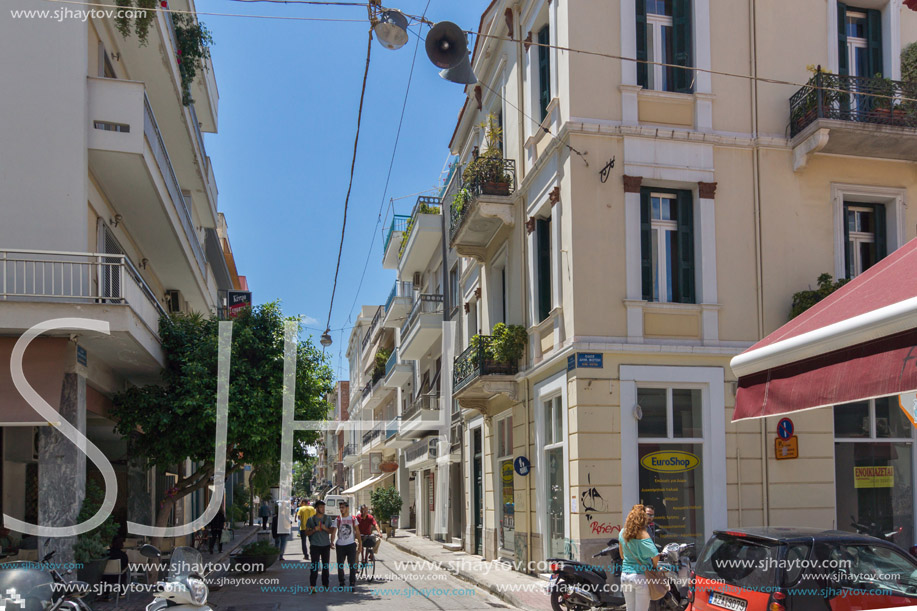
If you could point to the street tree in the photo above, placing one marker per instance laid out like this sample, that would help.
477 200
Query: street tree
175 420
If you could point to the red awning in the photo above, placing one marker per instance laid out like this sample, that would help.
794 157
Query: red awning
858 343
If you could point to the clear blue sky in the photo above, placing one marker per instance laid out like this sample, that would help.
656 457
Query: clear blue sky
289 93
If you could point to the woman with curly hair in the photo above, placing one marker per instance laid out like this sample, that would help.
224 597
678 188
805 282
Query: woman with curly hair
639 555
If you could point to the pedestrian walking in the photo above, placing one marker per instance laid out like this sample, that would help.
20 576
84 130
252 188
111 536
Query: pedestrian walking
216 529
303 514
345 541
280 539
639 555
264 513
318 529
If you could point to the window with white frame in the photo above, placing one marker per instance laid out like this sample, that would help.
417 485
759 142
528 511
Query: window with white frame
874 472
669 451
667 245
664 36
865 236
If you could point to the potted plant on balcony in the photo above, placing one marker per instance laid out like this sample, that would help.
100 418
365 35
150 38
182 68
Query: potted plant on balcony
882 92
487 170
381 359
509 342
909 82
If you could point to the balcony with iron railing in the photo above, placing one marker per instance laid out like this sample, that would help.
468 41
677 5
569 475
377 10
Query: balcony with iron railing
391 248
478 374
852 115
48 284
481 205
421 417
398 304
421 236
372 328
350 454
420 451
422 327
397 372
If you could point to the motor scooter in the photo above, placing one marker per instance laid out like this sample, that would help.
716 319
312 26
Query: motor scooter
872 529
184 587
675 564
574 586
30 586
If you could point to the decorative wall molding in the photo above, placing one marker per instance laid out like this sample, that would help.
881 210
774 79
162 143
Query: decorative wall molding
632 184
706 190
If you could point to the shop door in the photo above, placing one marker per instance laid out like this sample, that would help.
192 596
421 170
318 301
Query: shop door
477 471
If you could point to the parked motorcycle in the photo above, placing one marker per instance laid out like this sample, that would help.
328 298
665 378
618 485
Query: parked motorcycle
575 586
184 586
872 529
29 586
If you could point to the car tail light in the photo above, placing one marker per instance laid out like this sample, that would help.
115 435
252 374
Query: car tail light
734 533
553 568
776 603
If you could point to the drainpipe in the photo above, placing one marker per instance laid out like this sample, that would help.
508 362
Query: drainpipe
759 264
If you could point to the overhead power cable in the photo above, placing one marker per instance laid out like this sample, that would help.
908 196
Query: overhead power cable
353 163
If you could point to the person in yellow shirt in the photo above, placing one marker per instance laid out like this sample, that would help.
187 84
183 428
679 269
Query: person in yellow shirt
304 512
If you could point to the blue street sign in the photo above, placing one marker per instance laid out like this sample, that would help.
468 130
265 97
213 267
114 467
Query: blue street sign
522 465
592 360
785 428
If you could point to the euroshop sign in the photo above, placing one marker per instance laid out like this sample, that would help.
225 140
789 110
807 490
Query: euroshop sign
670 461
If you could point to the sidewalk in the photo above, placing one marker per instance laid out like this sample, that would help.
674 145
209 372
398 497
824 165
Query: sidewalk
497 578
139 600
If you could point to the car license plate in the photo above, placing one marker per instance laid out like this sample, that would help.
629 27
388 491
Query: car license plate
727 602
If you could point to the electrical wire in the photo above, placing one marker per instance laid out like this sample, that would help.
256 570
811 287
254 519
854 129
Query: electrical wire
391 165
353 163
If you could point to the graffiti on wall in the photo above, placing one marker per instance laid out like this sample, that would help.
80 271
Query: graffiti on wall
591 500
604 528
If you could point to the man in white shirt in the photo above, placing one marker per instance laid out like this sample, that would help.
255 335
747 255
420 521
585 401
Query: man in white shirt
347 544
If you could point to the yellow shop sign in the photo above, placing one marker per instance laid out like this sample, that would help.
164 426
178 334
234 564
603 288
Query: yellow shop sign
874 477
670 461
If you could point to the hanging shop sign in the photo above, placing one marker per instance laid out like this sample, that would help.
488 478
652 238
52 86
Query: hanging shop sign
785 449
874 477
236 301
908 404
670 461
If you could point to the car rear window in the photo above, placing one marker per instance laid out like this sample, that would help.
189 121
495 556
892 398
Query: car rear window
738 561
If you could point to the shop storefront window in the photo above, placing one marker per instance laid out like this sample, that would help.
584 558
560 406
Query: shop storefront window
874 478
554 472
505 494
670 452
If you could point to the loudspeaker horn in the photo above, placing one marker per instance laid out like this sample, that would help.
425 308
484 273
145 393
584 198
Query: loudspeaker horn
461 73
446 45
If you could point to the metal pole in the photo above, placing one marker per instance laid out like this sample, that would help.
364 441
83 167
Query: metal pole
446 300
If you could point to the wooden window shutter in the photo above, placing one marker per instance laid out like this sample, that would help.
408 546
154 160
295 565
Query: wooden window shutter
683 45
684 292
843 67
544 71
642 54
874 41
646 246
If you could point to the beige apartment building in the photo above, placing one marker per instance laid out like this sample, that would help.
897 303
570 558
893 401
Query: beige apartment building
657 221
109 213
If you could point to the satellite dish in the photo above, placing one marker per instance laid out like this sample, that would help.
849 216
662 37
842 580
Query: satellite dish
461 73
446 45
392 29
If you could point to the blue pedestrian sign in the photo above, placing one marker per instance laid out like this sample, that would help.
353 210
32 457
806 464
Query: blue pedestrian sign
522 465
785 428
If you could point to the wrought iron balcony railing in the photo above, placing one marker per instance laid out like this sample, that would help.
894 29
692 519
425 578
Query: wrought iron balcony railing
429 401
857 99
477 360
372 327
463 200
425 304
399 224
349 450
424 205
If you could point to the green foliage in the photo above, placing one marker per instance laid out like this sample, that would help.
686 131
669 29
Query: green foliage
803 300
144 12
909 64
259 548
239 509
175 420
194 41
381 360
263 478
487 167
302 476
386 502
461 199
509 342
423 208
480 343
94 544
884 90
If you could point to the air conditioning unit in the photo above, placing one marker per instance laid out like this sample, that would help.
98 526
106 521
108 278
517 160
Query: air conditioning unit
21 445
173 301
418 280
